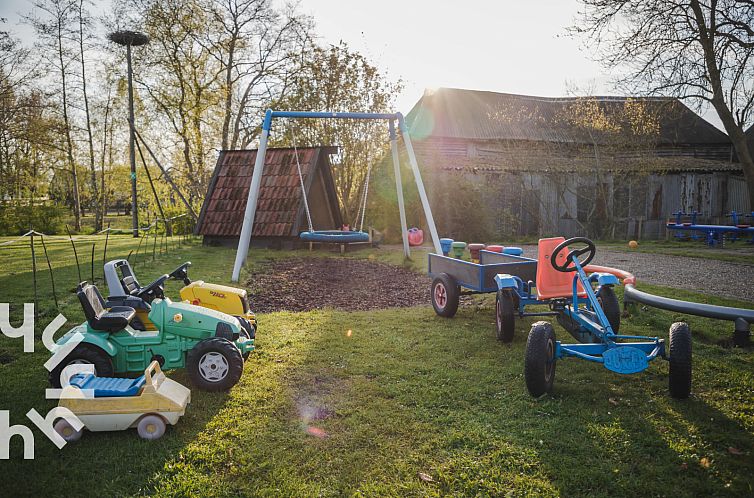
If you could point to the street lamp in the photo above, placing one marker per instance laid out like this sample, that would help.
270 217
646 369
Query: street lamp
131 39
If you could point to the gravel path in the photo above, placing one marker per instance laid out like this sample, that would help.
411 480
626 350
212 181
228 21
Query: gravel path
735 280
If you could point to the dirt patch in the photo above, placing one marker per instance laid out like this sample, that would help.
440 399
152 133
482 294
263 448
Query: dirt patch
305 284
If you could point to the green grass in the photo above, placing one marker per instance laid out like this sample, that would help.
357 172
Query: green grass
736 252
406 393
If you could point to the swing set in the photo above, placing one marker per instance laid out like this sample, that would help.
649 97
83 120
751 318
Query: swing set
336 236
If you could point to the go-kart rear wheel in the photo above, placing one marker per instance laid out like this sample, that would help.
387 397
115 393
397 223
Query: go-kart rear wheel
214 364
610 305
151 427
84 354
505 318
539 363
67 432
445 295
679 345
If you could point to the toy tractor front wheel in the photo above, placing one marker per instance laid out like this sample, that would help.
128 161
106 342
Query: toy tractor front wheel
505 320
214 364
445 295
679 345
84 354
610 305
539 364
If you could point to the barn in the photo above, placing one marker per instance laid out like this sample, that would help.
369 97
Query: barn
597 166
280 215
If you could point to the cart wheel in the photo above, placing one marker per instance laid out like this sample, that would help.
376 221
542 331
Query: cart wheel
151 427
539 364
505 319
679 377
610 305
445 295
66 431
84 354
214 364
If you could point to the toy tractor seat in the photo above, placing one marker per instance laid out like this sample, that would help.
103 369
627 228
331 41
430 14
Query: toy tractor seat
552 283
97 315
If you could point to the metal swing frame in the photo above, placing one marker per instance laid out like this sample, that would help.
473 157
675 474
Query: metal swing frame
244 240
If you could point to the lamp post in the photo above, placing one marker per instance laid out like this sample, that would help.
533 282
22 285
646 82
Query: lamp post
131 39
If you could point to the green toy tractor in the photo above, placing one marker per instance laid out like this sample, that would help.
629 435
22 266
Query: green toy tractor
210 344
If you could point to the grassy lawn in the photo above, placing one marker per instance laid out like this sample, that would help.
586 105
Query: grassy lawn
321 411
736 252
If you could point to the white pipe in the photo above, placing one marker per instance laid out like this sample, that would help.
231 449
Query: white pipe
420 185
251 207
399 189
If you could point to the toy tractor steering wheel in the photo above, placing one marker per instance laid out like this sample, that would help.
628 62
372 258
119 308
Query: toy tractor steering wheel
181 273
153 290
590 250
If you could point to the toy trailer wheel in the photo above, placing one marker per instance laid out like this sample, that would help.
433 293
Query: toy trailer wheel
214 364
445 295
67 432
679 378
610 305
539 364
84 354
505 319
151 427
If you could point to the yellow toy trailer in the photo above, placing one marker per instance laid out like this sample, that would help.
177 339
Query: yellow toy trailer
147 403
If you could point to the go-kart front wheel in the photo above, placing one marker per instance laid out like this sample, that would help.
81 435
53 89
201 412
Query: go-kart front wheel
679 346
214 364
610 305
445 295
505 319
539 364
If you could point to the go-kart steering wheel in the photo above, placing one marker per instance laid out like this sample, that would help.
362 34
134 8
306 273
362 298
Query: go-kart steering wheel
181 273
153 290
590 250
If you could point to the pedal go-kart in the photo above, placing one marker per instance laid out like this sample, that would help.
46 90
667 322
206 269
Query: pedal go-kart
122 282
147 403
206 342
592 316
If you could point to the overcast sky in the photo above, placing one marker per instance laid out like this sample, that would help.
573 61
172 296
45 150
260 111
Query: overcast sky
513 46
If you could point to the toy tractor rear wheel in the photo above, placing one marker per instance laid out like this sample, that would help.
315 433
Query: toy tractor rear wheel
214 364
679 344
505 319
539 364
610 305
84 354
445 295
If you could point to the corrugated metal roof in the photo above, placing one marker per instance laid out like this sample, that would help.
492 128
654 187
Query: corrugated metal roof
472 114
280 198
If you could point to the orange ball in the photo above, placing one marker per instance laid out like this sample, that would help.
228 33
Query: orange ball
633 244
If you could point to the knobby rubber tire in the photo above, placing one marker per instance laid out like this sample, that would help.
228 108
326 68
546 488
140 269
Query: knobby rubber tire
215 345
679 346
610 305
86 352
452 295
505 318
539 363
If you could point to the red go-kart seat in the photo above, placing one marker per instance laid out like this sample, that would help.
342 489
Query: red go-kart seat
552 283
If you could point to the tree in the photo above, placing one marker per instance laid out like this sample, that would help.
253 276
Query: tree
702 50
338 79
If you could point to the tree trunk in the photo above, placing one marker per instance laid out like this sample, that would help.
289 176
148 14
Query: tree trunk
69 141
93 172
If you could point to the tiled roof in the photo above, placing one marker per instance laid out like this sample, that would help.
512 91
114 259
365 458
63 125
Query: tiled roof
473 114
280 199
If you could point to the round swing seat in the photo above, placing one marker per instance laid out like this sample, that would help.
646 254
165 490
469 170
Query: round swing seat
334 236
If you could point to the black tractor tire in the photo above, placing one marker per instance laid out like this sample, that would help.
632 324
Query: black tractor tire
445 295
214 364
539 362
505 315
610 305
679 347
84 353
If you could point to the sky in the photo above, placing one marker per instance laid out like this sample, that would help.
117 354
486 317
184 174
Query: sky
510 46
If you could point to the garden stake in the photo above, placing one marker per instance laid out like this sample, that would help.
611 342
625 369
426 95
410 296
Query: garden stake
34 270
49 267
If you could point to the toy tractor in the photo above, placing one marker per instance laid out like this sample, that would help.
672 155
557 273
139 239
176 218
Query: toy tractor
122 282
210 344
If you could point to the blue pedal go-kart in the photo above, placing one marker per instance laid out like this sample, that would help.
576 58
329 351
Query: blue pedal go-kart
591 315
